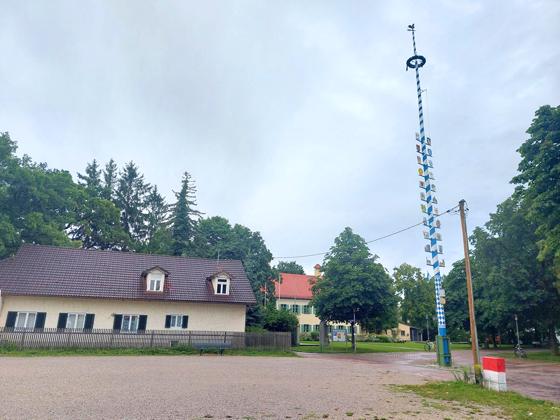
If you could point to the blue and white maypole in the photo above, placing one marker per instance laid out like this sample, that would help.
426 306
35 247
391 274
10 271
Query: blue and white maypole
429 199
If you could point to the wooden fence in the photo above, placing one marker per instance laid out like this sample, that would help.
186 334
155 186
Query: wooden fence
100 338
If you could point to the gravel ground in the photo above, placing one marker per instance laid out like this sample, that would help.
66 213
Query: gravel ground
213 387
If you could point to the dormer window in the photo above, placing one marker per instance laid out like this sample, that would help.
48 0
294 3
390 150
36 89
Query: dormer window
222 285
155 279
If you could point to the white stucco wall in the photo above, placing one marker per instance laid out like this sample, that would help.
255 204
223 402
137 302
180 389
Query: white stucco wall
202 316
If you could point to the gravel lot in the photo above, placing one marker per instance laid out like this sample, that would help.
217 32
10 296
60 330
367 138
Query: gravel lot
210 387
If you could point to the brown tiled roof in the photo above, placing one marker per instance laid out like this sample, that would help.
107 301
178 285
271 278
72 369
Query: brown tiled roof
39 270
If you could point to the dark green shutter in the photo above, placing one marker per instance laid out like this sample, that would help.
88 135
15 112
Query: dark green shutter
185 321
11 319
62 318
88 324
117 322
167 321
142 322
40 320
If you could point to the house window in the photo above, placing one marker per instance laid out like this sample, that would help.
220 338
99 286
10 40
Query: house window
295 309
176 321
306 309
306 327
75 321
155 281
283 307
26 320
316 327
129 323
402 333
222 286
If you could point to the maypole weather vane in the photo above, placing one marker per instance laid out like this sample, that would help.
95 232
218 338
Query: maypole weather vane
428 207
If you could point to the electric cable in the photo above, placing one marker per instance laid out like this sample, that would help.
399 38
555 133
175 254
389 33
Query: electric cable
370 241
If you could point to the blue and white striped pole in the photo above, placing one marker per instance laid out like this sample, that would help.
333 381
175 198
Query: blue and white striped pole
415 62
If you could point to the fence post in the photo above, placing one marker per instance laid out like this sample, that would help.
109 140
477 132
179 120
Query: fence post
22 339
152 339
225 335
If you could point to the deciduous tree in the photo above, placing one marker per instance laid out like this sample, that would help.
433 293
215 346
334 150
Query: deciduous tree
353 285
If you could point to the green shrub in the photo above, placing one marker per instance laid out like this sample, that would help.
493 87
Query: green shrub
275 320
314 335
305 336
383 339
255 329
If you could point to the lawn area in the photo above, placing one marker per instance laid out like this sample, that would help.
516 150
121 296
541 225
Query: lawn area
168 351
367 347
542 356
511 404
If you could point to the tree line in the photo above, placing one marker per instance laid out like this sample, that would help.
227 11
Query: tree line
515 255
117 209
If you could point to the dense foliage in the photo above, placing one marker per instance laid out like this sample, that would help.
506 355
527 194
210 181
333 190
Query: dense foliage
291 267
279 320
416 295
515 256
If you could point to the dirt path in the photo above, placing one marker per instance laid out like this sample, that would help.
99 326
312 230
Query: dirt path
215 387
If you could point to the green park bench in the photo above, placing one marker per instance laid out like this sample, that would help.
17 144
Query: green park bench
216 346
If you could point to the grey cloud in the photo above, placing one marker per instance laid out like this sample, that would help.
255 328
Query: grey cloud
296 119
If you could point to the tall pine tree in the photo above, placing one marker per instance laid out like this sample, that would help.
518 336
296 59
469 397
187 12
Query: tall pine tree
91 180
184 217
109 180
157 217
131 199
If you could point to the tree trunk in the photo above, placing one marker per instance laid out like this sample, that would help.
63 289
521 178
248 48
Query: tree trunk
553 341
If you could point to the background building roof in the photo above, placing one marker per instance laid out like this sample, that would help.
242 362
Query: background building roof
39 270
295 286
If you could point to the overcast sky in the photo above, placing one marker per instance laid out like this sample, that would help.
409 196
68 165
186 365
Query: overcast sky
295 118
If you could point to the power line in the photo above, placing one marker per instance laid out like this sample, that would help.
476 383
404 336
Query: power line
318 254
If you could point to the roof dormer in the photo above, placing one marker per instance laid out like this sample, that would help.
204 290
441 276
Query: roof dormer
221 283
155 279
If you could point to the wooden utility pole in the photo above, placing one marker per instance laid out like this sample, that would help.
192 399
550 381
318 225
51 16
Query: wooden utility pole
474 335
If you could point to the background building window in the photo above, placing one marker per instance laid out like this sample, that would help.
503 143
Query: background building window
295 309
283 307
316 327
306 309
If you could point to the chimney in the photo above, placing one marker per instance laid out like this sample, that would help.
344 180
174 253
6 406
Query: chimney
317 268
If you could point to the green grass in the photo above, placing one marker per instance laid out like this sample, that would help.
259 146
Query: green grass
511 404
367 347
168 351
543 356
